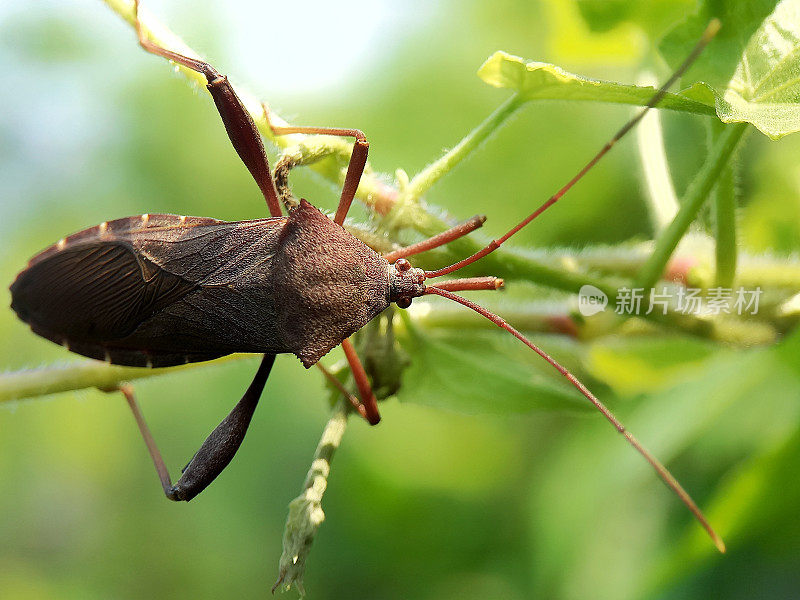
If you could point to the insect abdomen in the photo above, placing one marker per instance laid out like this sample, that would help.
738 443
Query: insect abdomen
155 290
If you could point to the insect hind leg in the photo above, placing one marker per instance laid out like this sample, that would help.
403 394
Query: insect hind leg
217 450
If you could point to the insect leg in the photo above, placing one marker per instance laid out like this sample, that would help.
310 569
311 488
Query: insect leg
440 239
355 402
219 447
238 123
355 167
155 453
362 382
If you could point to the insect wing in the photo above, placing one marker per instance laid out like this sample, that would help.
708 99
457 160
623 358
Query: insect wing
154 290
95 291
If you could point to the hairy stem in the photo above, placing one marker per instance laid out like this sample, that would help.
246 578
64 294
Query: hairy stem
725 227
83 374
426 178
305 511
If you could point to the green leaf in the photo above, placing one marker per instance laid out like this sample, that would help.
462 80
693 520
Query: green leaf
739 403
541 81
748 74
747 503
652 17
636 365
751 68
483 372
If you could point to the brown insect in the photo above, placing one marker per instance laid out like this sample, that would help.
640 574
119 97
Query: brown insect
159 290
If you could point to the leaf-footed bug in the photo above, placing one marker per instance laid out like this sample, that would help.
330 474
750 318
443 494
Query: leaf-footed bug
158 290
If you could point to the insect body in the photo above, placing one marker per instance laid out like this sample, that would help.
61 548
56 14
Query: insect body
159 290
163 290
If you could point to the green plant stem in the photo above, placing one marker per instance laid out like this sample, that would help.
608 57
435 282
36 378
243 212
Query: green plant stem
725 227
305 511
660 196
425 179
532 317
695 196
83 374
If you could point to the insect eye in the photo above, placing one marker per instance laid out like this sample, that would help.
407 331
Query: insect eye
402 265
403 302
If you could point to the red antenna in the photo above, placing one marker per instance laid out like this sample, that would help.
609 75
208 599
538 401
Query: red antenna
660 469
446 288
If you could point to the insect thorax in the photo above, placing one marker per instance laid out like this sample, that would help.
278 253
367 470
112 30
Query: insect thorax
327 284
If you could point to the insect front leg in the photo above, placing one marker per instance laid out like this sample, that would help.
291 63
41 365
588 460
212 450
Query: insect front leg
238 123
440 239
219 447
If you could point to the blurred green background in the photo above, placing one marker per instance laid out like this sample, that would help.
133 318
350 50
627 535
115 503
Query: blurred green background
432 503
